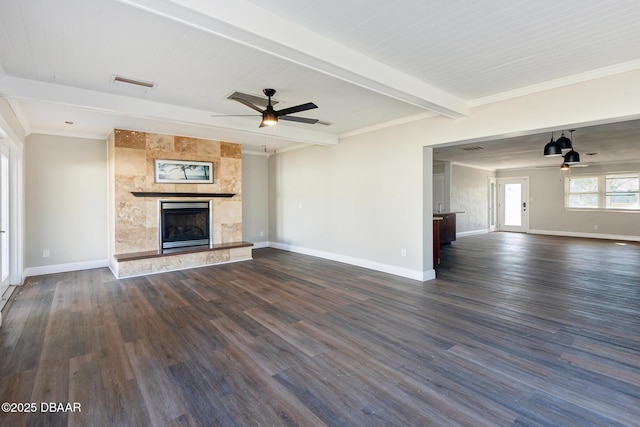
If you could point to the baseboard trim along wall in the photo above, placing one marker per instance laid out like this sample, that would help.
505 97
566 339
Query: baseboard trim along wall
586 235
472 232
63 268
359 262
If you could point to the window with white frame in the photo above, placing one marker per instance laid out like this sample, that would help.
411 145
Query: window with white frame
619 191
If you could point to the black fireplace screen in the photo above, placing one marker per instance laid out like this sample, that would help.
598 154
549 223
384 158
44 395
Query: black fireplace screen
184 224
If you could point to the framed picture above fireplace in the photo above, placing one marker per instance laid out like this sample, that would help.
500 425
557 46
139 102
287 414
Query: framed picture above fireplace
183 172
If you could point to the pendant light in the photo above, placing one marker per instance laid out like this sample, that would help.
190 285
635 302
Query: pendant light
565 143
552 149
572 157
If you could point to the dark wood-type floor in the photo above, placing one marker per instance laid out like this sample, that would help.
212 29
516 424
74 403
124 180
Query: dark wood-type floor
518 330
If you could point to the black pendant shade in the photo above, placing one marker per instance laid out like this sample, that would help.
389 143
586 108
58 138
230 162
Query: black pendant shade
552 149
565 143
572 157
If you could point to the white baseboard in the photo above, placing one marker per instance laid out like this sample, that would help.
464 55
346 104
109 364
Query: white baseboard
586 235
472 232
359 262
63 268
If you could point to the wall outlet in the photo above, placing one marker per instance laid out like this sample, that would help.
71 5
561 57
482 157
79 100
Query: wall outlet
403 252
45 253
595 227
262 234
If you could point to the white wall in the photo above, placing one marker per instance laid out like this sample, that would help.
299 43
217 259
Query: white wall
66 203
360 202
255 199
547 214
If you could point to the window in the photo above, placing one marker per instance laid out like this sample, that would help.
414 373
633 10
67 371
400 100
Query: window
612 191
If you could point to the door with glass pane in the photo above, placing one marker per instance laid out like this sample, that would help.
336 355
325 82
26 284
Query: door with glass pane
4 219
513 204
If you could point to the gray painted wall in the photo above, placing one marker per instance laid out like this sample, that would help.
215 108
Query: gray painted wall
255 199
65 200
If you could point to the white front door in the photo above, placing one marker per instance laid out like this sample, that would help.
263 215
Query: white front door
513 204
4 219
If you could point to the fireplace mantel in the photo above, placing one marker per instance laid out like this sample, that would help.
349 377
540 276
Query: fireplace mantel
170 194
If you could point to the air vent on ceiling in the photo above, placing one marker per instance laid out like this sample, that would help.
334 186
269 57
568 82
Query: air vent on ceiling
120 79
474 148
255 100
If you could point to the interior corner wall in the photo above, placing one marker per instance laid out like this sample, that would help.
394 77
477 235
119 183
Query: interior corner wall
470 195
255 199
65 201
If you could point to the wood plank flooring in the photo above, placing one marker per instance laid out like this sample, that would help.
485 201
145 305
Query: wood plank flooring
517 330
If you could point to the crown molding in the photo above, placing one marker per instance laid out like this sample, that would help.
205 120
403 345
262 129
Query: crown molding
557 83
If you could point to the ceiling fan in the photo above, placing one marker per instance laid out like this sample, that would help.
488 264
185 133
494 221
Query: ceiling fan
270 116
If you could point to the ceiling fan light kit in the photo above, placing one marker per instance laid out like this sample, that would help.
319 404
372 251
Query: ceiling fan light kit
270 116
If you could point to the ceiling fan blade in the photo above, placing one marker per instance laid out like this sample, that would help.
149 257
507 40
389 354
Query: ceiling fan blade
298 119
296 109
248 104
235 115
255 100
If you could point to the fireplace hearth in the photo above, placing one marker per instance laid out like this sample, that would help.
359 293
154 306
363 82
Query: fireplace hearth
184 225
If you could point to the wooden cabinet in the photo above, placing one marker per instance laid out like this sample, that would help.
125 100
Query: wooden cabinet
447 227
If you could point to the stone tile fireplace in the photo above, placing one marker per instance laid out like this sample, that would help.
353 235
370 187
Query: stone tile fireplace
137 202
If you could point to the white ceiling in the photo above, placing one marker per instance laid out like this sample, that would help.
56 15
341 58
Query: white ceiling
365 63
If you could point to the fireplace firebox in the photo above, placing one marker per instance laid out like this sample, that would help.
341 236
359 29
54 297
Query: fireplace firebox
184 224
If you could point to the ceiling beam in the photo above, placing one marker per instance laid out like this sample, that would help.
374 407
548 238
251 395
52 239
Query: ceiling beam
249 24
43 92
